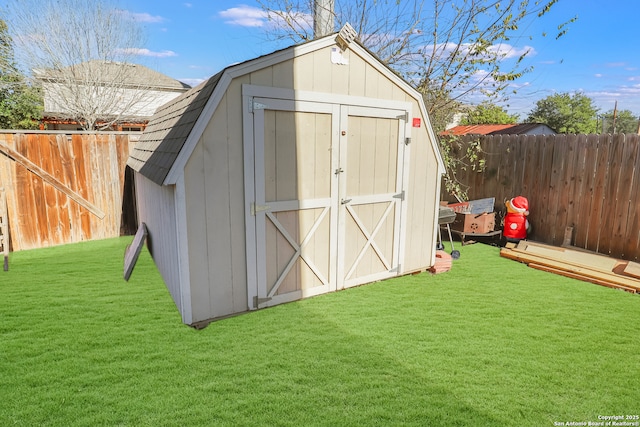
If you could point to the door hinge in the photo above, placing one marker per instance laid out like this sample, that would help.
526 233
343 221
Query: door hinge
344 201
407 141
400 195
257 301
258 208
339 170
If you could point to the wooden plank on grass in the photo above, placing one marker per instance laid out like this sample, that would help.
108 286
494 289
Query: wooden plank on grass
133 250
581 277
632 269
529 258
593 261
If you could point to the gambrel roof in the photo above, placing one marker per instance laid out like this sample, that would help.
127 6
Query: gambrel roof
175 128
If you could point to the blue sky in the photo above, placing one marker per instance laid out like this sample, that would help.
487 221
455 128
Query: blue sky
599 55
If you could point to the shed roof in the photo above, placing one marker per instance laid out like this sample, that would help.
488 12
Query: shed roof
168 130
180 122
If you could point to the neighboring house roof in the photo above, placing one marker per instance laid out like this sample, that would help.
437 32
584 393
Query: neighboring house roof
474 129
182 120
512 129
136 75
526 129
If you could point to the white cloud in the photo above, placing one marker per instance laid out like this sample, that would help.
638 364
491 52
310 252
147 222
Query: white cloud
244 16
507 51
142 17
147 52
598 75
248 16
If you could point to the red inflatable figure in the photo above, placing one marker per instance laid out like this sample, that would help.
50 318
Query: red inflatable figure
515 221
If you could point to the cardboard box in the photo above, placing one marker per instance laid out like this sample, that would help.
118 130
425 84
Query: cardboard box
474 223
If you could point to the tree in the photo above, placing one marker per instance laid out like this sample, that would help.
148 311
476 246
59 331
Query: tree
62 40
489 114
20 103
625 122
566 113
449 50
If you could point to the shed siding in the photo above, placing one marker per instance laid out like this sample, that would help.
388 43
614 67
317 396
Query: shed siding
215 212
196 219
156 208
315 72
423 194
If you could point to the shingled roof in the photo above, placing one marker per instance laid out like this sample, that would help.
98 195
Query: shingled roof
168 130
99 72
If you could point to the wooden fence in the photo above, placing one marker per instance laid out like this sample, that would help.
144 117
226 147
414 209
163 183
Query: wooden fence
65 187
588 182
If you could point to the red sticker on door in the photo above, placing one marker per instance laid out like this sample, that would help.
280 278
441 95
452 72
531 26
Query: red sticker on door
416 122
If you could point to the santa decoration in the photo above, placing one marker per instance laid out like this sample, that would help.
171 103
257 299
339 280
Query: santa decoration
515 221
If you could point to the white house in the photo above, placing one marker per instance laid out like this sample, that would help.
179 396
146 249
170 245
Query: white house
126 93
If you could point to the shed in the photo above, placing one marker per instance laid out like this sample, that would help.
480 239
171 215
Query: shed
304 171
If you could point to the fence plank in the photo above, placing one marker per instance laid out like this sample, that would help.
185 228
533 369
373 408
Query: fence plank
622 190
588 149
631 248
566 189
598 202
541 207
610 198
26 205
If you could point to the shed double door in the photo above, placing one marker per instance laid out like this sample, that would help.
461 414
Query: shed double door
328 196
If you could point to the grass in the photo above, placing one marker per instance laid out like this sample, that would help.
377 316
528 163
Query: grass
490 343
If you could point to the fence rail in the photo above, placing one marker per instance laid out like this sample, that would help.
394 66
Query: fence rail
588 182
64 187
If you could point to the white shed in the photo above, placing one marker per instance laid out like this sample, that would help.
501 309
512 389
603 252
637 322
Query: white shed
301 172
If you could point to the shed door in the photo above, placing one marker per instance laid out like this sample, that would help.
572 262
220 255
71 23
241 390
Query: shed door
328 182
372 158
295 196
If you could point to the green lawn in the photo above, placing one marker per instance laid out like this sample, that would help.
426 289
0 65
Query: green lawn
490 343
